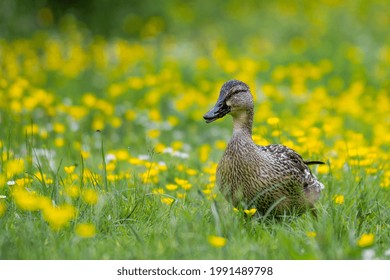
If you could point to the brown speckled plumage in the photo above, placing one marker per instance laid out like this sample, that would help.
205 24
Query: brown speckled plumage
273 179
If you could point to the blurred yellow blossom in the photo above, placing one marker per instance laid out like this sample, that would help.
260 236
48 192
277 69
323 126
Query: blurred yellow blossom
338 199
90 196
14 167
73 191
220 145
26 200
58 216
59 127
273 121
217 241
191 171
171 187
85 154
367 239
153 133
323 169
69 169
250 212
167 200
59 142
158 191
85 230
130 115
204 152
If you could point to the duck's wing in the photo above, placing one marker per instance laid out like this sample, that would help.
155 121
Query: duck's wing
294 161
283 153
286 153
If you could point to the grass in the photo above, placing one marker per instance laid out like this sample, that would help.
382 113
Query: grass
104 153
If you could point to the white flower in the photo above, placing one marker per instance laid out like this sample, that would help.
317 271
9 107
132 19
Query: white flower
368 254
143 157
180 154
11 183
110 157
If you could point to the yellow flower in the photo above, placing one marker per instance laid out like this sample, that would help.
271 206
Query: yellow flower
89 99
250 212
159 148
31 129
14 167
186 186
217 241
21 182
122 154
181 195
116 122
85 154
209 193
58 216
130 115
204 152
191 172
85 230
26 200
273 121
220 144
98 124
59 142
323 169
171 187
43 178
154 115
69 169
73 191
110 166
135 161
367 239
158 191
338 199
177 145
112 177
90 196
59 128
167 200
311 234
180 181
172 120
153 133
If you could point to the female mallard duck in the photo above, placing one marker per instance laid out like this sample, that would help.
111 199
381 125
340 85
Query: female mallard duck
273 179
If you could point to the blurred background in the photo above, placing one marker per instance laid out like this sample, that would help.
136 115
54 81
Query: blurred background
285 30
301 23
168 59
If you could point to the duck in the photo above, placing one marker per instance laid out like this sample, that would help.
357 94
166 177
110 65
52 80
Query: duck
273 179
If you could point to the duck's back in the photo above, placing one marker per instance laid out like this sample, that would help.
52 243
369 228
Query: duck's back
267 177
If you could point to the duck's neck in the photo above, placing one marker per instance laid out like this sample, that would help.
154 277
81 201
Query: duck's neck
242 124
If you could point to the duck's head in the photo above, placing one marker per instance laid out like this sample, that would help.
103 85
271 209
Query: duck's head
234 98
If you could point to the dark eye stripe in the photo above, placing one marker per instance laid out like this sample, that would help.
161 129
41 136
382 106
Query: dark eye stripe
231 93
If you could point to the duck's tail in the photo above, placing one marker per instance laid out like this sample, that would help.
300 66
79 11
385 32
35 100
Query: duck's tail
313 162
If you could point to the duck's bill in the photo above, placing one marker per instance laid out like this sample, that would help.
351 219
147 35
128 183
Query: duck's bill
218 111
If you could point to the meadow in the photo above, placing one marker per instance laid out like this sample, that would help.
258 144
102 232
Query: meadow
105 154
